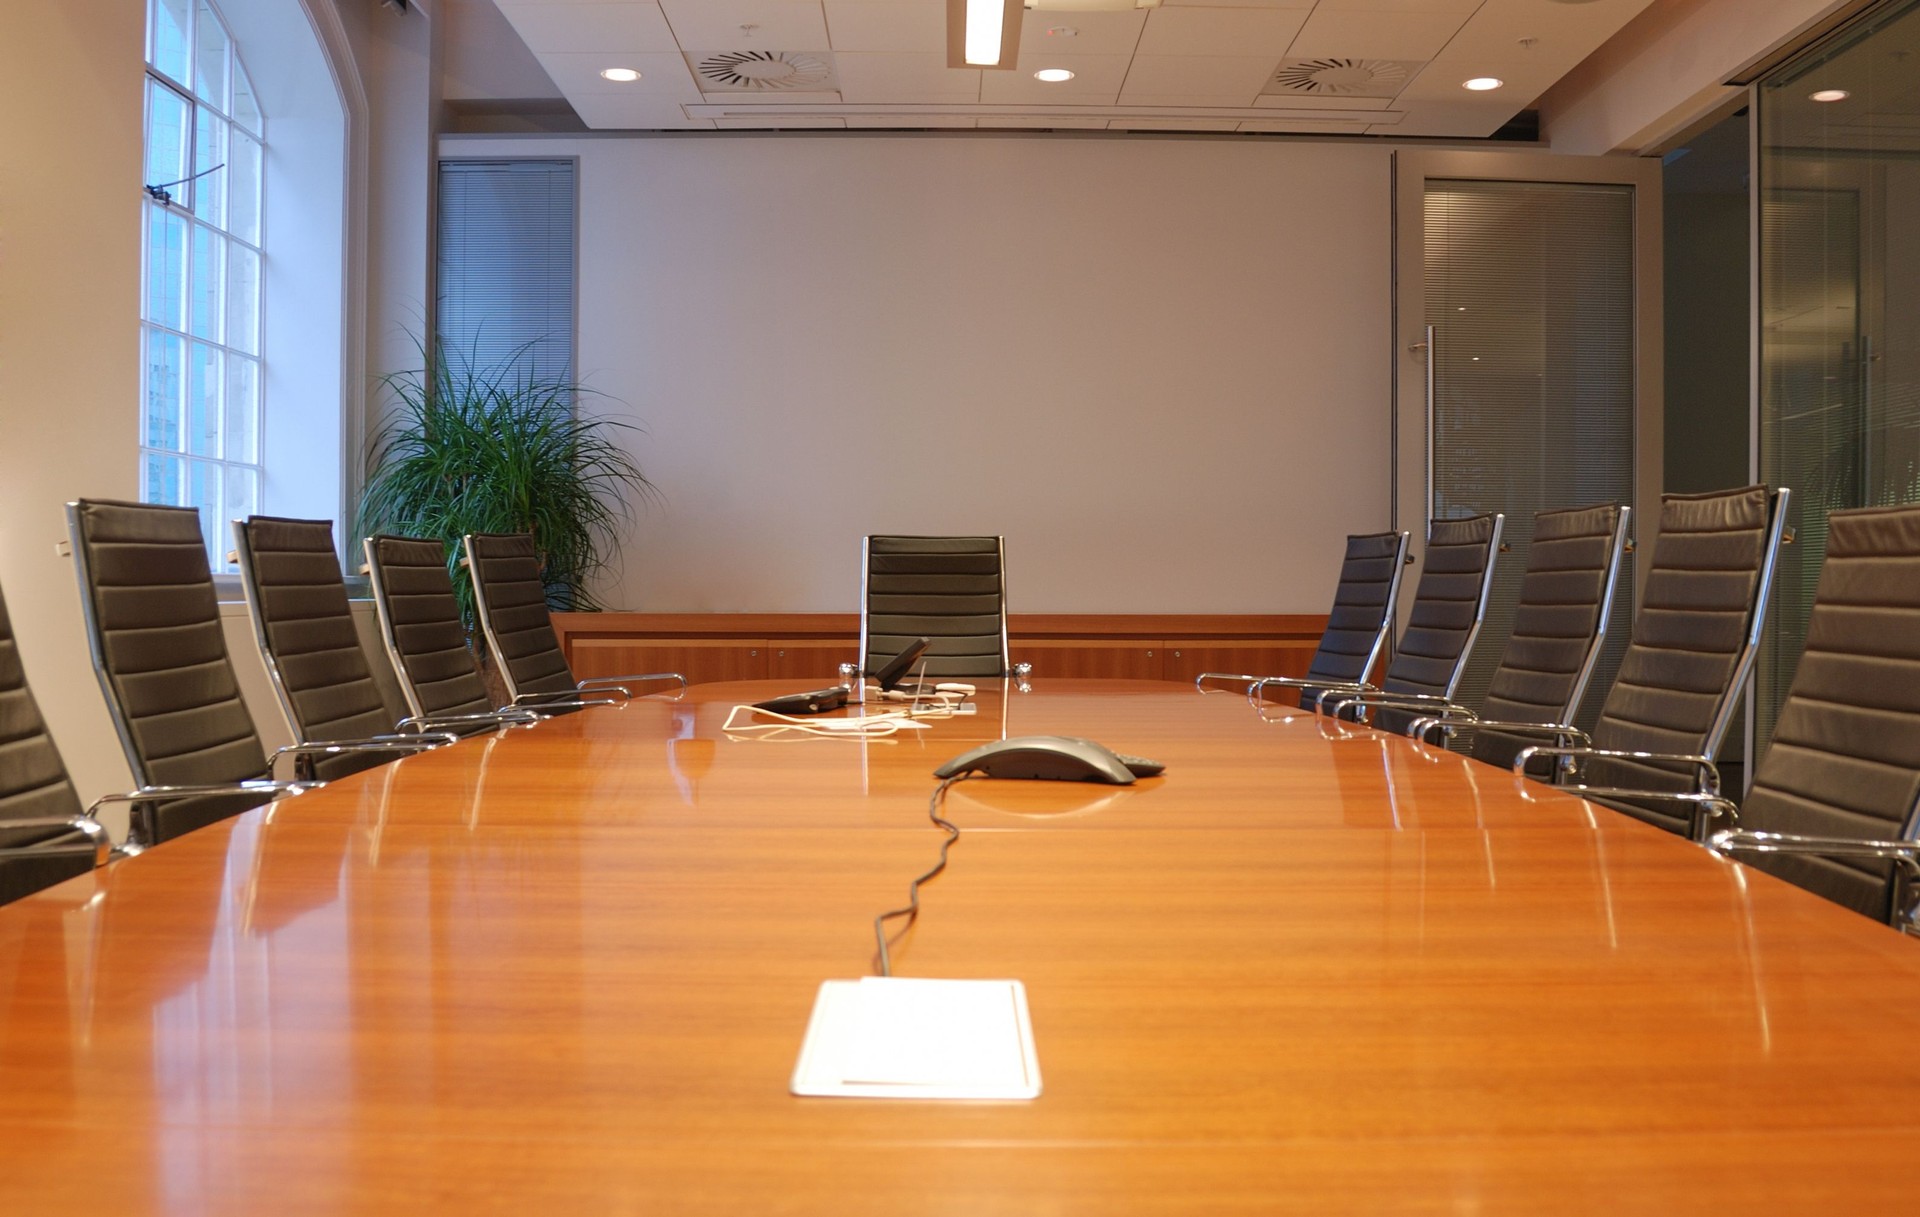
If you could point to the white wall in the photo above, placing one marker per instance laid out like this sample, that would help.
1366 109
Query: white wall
1158 366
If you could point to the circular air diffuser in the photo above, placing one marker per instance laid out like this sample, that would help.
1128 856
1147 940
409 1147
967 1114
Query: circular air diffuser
764 70
1340 76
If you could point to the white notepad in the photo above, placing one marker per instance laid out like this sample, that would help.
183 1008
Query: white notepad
912 1038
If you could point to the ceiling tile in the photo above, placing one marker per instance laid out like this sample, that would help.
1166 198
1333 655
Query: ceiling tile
636 114
1302 126
937 122
780 25
1462 8
888 25
1093 33
1375 35
1041 122
590 27
1173 124
1096 81
778 123
579 72
905 78
1292 4
1309 102
1210 31
1197 75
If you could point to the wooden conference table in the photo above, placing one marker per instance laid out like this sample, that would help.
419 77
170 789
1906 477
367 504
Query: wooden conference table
568 970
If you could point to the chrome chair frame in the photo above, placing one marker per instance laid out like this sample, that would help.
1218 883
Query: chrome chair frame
1903 912
144 792
1708 806
421 740
1451 716
866 576
514 715
1418 701
593 684
1256 684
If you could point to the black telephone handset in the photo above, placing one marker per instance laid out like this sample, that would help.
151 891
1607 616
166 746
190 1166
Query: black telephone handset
896 668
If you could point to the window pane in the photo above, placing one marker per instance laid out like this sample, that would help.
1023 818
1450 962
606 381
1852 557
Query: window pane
210 57
160 478
167 117
243 299
242 497
203 491
208 282
243 408
204 376
166 390
246 107
209 154
242 176
167 30
166 267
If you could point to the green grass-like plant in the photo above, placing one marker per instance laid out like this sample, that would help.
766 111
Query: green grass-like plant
501 449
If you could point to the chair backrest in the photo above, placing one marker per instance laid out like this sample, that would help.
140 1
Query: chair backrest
33 779
950 589
1846 745
420 623
1559 623
512 603
153 624
303 623
1702 609
1363 604
1449 603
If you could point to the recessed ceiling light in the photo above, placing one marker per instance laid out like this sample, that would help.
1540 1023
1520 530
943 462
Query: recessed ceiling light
1830 95
1480 84
1053 76
623 75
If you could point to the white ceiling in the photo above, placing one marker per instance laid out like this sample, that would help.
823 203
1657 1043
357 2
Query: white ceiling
1186 65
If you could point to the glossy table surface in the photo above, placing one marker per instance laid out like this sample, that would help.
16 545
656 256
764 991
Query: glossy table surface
568 970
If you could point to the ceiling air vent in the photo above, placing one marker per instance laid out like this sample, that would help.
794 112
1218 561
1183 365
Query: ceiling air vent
1333 77
763 72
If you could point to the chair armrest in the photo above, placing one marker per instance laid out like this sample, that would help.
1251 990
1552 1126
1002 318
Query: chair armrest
499 718
535 703
1744 840
588 685
95 832
1381 697
1708 807
421 742
1553 730
271 791
1301 682
1706 773
1199 681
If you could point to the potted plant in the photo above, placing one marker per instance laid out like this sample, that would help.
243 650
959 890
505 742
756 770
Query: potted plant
501 448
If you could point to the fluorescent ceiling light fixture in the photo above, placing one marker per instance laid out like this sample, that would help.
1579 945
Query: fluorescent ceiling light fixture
983 33
623 75
1480 84
1830 95
1053 76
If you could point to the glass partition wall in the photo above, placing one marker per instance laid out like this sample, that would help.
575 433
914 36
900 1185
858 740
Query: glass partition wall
1838 249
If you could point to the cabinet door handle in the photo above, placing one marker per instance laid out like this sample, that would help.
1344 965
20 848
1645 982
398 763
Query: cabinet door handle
1149 654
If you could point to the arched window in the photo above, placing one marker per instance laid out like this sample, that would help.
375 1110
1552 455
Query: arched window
201 421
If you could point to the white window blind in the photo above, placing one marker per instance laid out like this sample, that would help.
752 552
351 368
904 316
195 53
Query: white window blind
506 265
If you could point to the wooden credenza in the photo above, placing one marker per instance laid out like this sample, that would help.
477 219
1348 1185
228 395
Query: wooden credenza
812 646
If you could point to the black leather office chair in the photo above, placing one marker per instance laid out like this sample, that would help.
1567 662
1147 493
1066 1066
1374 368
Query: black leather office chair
153 625
1833 806
950 589
511 601
297 600
1449 605
1559 624
420 624
1363 604
1694 639
44 837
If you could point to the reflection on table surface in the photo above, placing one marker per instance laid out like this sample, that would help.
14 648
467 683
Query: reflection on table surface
572 964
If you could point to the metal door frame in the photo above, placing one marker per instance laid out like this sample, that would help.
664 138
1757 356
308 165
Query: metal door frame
1412 170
